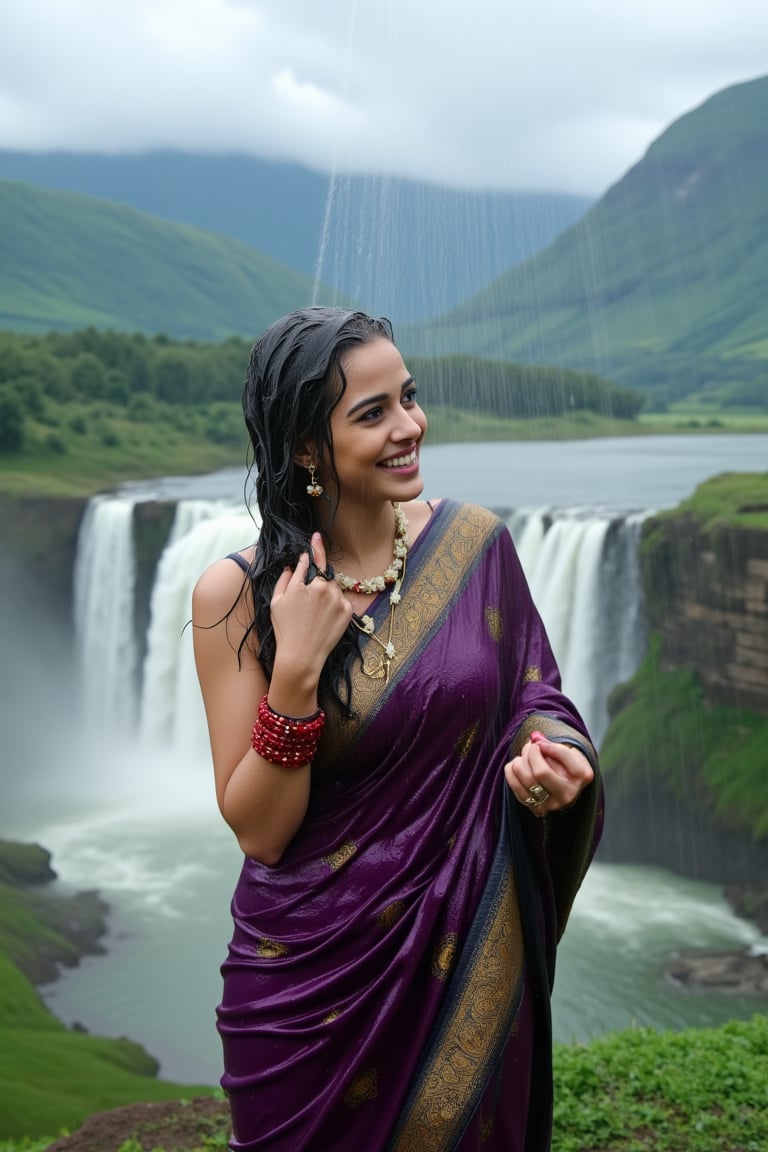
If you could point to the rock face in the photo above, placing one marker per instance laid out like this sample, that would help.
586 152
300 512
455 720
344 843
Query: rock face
43 928
648 823
741 973
39 536
705 587
707 596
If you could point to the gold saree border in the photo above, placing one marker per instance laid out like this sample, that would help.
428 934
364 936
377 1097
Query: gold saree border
477 1019
553 728
436 577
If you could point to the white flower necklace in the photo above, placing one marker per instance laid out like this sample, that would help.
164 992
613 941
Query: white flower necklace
400 551
393 576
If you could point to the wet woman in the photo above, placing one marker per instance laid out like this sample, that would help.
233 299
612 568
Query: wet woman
416 799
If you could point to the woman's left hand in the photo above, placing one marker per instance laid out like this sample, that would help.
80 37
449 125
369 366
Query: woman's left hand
546 776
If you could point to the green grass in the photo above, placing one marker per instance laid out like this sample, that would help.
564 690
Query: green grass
53 1078
453 425
701 418
734 499
113 449
700 1090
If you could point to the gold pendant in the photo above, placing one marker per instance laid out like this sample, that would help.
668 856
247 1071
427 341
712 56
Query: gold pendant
365 624
378 671
381 670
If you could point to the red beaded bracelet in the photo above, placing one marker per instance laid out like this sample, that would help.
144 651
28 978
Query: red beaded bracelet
286 740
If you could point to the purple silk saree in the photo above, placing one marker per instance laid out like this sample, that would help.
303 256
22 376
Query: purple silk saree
387 985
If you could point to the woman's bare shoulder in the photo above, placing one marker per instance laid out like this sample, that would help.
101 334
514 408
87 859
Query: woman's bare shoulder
419 513
219 588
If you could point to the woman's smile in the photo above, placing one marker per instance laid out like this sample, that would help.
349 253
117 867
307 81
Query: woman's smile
403 463
377 426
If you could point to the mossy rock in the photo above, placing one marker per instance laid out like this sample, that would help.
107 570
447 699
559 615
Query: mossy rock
40 930
25 864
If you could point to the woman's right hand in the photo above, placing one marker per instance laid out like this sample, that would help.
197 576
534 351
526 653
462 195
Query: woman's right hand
308 619
263 803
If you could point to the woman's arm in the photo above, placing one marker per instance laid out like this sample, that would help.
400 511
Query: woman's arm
263 803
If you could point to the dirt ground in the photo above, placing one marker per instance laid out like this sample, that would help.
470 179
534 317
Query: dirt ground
171 1125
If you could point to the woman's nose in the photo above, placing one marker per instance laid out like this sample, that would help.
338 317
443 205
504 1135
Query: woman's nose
407 427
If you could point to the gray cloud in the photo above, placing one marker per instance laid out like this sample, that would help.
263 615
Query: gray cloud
486 93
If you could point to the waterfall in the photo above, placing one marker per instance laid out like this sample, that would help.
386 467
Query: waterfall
582 566
104 615
171 711
583 570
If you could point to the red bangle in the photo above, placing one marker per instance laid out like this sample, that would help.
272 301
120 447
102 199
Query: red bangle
286 740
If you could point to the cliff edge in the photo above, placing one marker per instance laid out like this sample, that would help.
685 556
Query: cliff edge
686 752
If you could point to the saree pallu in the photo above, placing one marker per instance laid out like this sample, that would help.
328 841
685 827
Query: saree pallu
387 984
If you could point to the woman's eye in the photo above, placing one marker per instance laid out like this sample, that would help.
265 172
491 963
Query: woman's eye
410 395
372 413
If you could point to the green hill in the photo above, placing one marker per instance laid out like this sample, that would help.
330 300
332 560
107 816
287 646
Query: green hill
69 261
380 228
664 282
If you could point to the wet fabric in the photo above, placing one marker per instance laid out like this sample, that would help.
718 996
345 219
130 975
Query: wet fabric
387 984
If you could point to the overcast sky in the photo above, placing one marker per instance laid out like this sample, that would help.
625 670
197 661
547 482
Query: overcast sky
547 94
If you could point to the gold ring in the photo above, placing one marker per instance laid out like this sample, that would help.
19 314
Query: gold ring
539 794
530 800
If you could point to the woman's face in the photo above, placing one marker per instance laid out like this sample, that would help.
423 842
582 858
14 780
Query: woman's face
377 428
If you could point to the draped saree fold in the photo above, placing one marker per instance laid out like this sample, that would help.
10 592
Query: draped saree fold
387 983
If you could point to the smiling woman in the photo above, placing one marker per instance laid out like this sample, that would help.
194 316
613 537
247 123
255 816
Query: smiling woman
376 429
416 799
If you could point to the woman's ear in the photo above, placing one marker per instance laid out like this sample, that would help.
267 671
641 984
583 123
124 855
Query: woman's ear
305 453
303 456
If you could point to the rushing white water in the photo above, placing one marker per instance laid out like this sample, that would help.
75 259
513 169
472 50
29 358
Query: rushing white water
170 713
582 566
104 614
575 577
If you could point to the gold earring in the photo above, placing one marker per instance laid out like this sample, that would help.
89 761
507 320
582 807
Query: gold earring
313 488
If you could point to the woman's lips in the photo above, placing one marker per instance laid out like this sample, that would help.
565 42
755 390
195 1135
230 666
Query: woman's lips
396 463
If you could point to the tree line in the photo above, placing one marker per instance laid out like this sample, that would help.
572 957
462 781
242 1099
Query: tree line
150 376
520 391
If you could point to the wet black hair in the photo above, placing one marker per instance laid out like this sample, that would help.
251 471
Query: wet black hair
294 381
